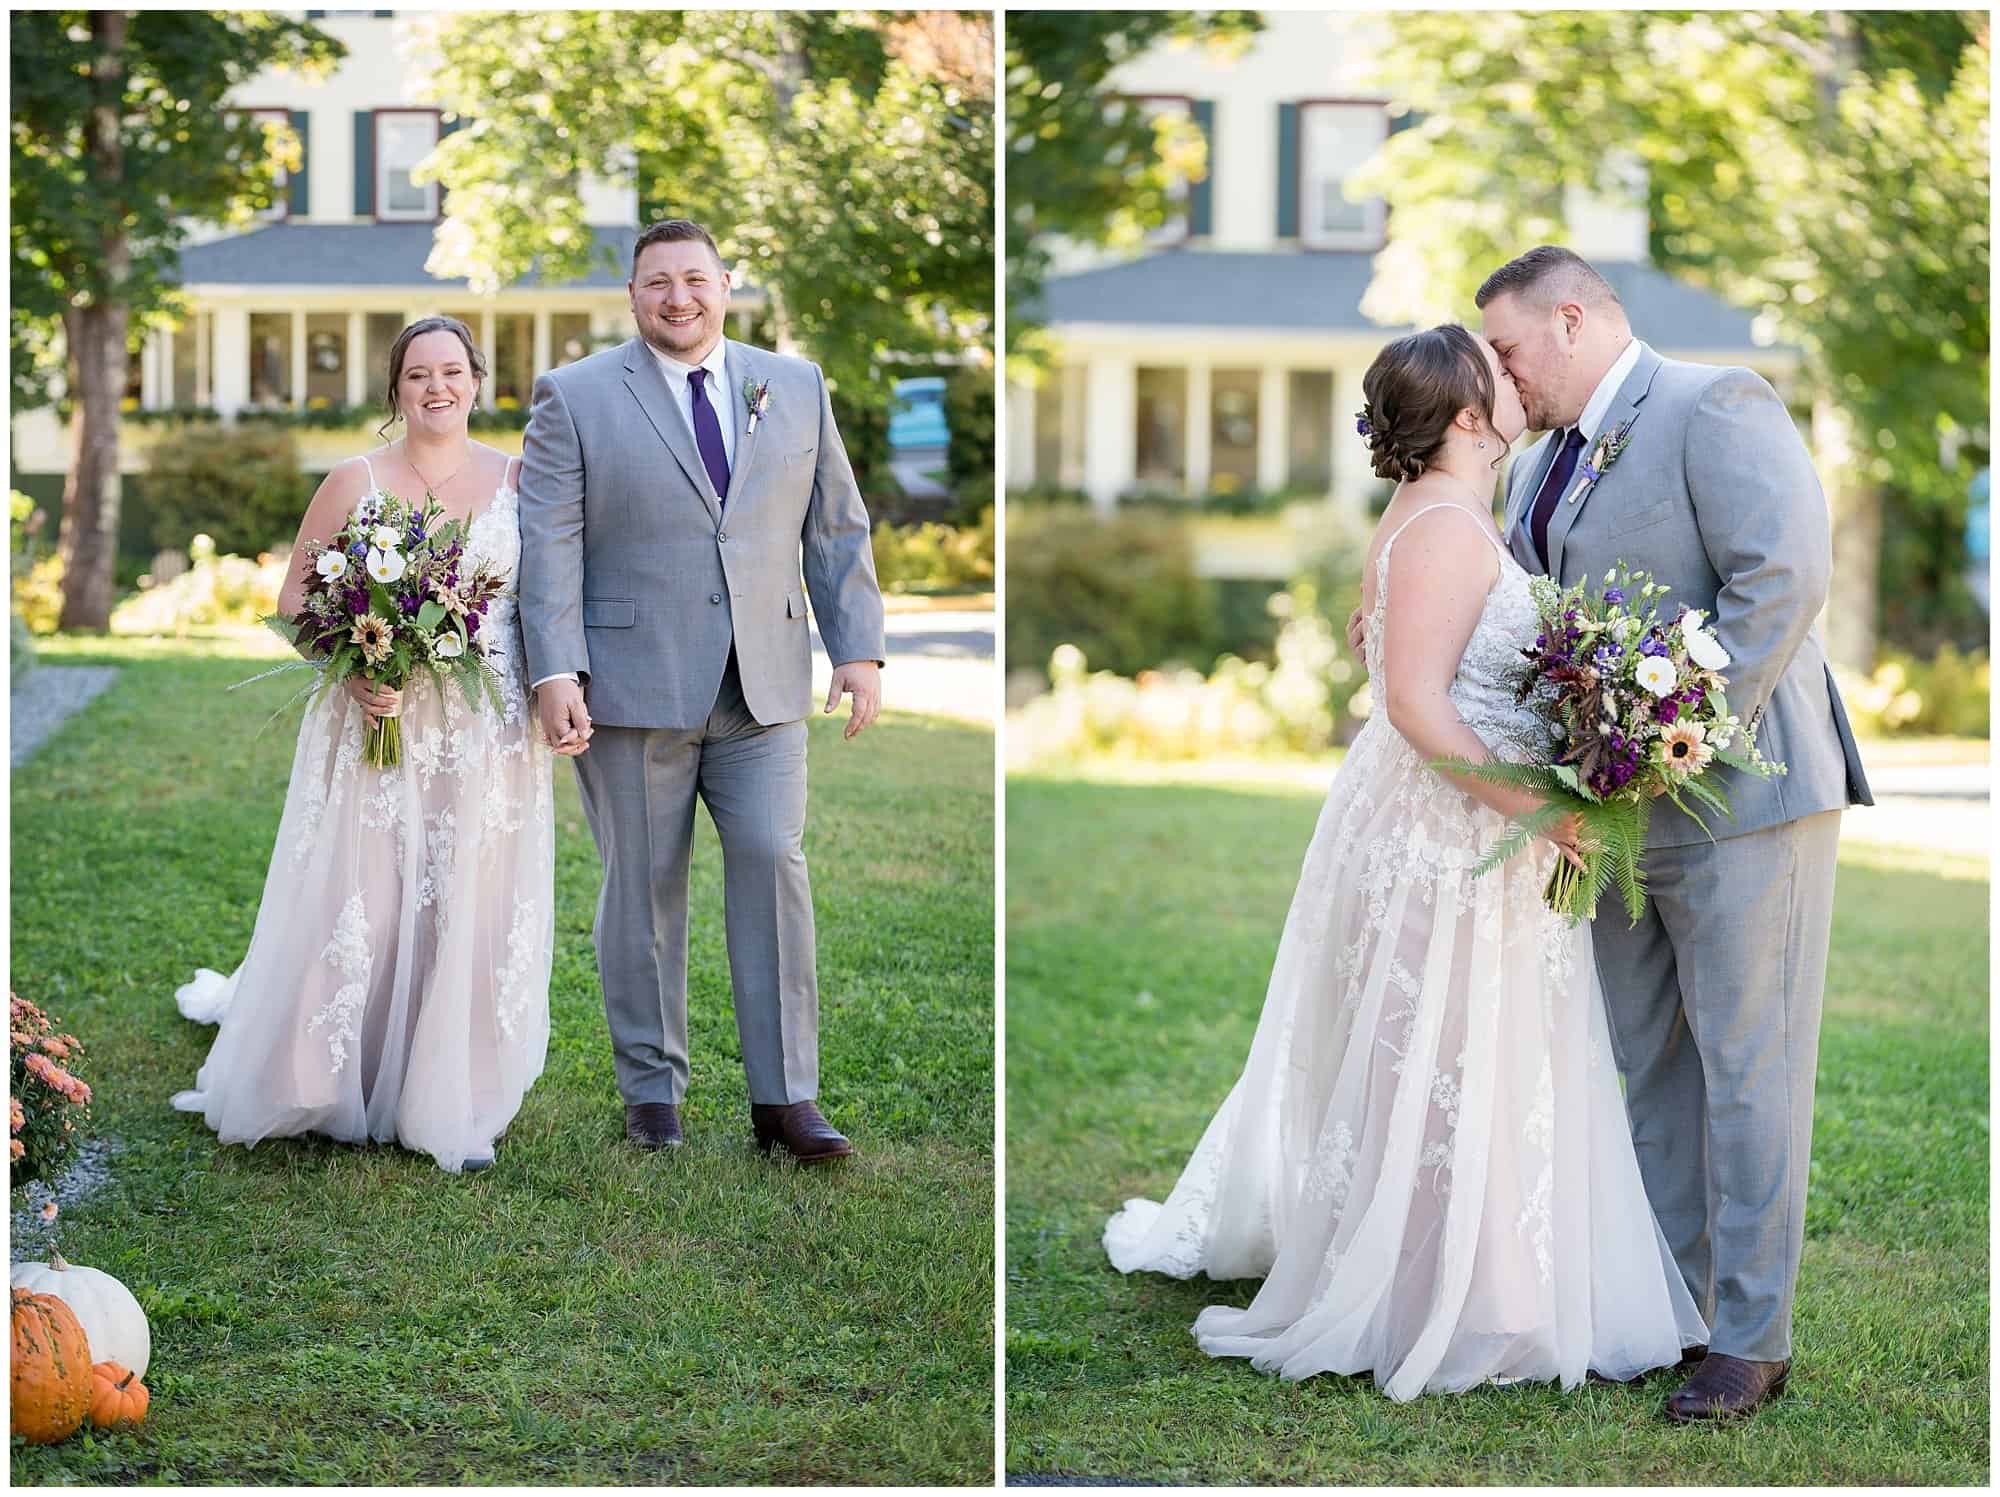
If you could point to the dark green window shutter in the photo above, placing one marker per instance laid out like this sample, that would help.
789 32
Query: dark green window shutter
1201 195
301 193
1288 171
1409 119
364 163
451 126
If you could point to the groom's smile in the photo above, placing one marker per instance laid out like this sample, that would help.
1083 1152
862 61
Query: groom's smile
680 295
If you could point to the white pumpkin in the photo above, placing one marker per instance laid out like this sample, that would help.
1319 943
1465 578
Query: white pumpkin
112 1321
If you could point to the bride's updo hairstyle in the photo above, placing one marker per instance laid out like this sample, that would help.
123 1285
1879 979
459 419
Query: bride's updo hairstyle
1414 389
401 346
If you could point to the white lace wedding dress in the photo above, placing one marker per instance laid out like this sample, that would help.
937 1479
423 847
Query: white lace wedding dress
397 982
1427 1156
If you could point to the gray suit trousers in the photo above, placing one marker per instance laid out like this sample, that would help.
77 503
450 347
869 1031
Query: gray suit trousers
1714 1000
639 787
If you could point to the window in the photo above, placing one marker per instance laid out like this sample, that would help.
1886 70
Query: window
275 121
271 358
513 359
403 138
1334 139
326 359
569 337
1162 421
1233 430
1309 429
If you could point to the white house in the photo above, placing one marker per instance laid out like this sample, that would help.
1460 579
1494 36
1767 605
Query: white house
300 310
1229 354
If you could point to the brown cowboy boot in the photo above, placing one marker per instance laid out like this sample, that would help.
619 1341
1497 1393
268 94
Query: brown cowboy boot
798 1126
1727 1388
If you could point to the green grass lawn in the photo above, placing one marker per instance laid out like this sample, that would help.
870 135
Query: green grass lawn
582 1312
1142 921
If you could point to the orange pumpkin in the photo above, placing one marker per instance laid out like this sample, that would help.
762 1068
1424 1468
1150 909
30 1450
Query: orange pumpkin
117 1396
51 1369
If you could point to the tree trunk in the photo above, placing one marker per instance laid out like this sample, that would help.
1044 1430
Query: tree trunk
97 332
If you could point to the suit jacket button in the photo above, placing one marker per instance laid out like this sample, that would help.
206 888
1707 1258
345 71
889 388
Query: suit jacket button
715 597
722 535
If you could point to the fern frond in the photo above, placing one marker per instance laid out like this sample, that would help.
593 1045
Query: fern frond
1520 832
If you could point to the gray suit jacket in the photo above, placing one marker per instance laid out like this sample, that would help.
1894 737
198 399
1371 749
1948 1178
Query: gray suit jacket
1714 494
638 576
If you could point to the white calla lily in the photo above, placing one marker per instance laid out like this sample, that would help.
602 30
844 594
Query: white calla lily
448 646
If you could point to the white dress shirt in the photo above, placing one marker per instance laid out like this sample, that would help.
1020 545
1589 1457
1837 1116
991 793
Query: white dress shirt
681 389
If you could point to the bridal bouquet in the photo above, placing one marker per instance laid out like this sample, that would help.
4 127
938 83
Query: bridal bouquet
1634 701
391 595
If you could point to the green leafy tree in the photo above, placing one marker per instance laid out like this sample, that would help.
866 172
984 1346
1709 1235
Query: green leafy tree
843 159
121 140
1827 169
1079 166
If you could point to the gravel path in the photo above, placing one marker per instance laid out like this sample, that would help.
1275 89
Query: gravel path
87 1174
50 694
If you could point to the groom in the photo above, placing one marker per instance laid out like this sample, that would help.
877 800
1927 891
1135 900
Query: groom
1714 997
671 489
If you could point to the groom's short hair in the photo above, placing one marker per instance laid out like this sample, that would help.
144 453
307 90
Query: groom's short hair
673 231
1548 273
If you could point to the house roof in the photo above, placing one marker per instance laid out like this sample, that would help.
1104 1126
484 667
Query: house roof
1320 291
381 254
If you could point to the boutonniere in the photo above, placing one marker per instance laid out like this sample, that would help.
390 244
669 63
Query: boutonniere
1603 453
758 398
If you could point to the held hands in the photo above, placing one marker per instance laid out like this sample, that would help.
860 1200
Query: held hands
565 720
377 701
1357 631
862 678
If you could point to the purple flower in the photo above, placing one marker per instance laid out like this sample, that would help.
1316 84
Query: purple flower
409 602
1666 709
1607 655
1614 595
1652 644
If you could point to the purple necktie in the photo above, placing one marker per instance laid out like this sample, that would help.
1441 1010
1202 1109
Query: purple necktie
708 435
1551 491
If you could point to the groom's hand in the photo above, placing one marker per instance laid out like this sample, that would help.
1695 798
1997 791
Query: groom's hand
565 719
863 678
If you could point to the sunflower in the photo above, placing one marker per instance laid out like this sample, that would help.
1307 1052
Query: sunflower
373 635
1684 746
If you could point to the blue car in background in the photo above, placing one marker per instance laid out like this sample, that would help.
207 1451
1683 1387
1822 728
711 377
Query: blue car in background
917 418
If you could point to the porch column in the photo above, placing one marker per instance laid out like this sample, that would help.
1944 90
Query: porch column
357 358
1021 401
156 371
1353 475
486 347
1200 427
1273 426
1075 425
230 378
542 355
1111 453
298 358
204 377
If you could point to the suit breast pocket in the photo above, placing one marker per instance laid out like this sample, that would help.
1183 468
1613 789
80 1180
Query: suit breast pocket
805 455
1643 519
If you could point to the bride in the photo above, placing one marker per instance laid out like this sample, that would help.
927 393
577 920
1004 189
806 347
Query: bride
1427 1157
397 981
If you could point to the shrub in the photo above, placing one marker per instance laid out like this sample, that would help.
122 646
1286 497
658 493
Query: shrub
968 411
37 579
1122 589
20 650
243 487
1948 695
215 591
38 595
928 555
46 1099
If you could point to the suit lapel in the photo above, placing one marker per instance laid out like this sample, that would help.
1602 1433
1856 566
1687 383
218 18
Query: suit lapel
649 388
741 364
1624 409
1534 462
